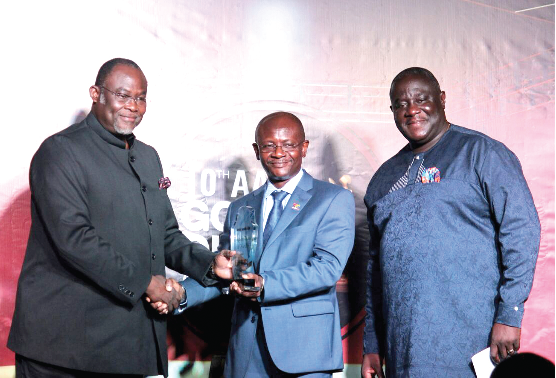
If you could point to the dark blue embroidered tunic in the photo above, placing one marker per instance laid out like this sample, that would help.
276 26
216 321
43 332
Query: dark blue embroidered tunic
454 242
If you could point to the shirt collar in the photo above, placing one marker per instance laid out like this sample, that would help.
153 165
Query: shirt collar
288 188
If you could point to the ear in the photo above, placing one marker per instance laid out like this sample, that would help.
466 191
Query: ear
94 92
304 148
443 99
256 148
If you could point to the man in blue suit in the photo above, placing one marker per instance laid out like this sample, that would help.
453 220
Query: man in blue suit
291 326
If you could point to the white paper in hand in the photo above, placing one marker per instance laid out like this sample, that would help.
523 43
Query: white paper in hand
483 364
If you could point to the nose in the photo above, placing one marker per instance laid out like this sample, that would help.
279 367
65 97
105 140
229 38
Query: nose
278 152
131 104
412 109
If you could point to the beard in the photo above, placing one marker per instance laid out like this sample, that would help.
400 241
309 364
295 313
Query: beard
123 131
126 130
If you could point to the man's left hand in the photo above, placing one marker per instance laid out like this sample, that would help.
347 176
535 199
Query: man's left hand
238 288
504 341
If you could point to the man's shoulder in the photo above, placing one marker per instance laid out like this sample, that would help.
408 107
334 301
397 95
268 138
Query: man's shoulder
486 148
475 143
476 137
64 138
73 131
325 192
320 186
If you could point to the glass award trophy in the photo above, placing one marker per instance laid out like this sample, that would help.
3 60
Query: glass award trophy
243 238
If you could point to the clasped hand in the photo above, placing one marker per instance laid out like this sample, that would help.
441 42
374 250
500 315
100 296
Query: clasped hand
165 295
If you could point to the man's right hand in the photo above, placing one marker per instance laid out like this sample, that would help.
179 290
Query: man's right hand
157 292
222 264
161 307
372 366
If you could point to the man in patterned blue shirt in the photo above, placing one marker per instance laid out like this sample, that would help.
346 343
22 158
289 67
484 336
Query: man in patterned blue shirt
454 242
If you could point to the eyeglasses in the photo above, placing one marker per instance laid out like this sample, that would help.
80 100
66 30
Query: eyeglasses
124 99
286 147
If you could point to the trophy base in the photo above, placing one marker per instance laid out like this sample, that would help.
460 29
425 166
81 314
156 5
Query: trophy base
249 285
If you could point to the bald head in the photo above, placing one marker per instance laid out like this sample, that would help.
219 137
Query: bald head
277 117
416 71
108 66
280 146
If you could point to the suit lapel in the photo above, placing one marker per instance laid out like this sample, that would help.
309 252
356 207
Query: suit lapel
295 205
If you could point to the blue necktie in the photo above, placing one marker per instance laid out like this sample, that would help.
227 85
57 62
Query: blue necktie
274 215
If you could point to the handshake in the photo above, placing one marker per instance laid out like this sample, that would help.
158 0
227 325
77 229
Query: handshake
165 295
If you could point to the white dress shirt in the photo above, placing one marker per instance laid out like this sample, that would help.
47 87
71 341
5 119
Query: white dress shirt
268 200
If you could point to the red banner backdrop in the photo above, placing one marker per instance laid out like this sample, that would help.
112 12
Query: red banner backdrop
215 68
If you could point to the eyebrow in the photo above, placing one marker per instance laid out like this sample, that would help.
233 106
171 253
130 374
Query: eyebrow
123 89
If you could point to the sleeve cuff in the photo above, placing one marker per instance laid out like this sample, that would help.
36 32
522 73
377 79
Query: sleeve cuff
183 304
210 278
260 298
509 315
370 341
370 347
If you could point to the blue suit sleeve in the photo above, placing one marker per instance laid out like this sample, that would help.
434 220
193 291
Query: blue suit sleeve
197 294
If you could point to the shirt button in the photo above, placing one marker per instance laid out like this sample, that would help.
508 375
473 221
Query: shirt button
515 308
150 222
153 256
144 188
254 319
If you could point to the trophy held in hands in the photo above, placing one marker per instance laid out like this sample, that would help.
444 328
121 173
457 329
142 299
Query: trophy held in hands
243 238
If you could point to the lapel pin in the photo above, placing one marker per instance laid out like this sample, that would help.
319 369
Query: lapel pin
296 206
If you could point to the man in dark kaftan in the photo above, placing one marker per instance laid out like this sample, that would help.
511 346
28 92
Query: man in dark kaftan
454 242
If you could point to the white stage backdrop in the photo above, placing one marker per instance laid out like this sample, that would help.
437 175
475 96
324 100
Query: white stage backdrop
215 68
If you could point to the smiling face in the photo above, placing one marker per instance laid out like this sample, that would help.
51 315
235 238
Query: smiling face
117 116
281 129
418 108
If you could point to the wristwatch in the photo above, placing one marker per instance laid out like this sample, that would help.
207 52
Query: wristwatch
183 303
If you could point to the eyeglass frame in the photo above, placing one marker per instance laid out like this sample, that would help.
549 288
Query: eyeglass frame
125 98
272 148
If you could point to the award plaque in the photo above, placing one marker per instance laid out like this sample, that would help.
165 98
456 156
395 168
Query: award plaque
243 239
